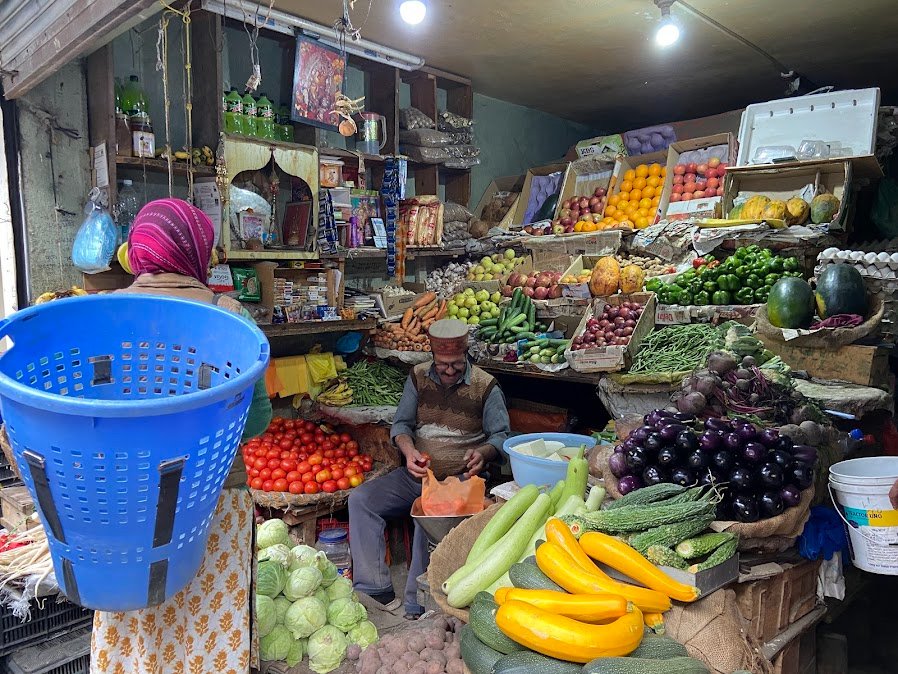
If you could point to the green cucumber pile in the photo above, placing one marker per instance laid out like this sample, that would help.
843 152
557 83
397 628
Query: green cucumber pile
516 321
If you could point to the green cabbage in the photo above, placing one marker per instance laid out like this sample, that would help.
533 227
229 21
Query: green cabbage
303 555
328 570
276 644
297 650
278 552
342 587
281 604
270 579
321 595
305 616
345 613
271 532
363 634
302 583
327 647
266 614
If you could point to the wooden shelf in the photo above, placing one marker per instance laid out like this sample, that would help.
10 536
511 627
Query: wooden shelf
513 369
411 253
316 327
349 154
262 255
180 168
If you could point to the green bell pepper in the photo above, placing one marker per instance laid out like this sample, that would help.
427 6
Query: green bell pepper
754 281
709 286
702 298
760 295
770 279
721 297
686 298
729 282
745 296
791 264
653 285
776 265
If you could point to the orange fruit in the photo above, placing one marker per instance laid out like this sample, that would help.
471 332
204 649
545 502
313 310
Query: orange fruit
663 171
614 200
610 210
645 202
655 201
579 226
635 195
655 169
642 222
639 183
629 175
626 224
653 180
633 203
648 192
589 227
643 212
642 171
608 221
627 185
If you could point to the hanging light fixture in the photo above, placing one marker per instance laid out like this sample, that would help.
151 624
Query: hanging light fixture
413 11
668 31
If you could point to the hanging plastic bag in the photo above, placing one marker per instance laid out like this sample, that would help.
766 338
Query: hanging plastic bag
96 239
452 497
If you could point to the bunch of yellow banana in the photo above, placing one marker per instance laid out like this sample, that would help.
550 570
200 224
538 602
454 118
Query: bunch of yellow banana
336 395
202 156
60 295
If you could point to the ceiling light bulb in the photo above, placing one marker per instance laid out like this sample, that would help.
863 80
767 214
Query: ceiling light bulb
412 11
667 33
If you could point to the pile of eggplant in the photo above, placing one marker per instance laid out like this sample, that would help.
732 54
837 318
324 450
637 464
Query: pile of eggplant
761 472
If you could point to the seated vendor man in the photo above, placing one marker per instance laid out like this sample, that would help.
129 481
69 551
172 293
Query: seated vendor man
452 419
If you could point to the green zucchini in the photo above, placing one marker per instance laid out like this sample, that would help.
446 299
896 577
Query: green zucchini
656 647
529 577
478 657
644 666
483 621
502 521
486 322
646 495
528 662
699 546
668 535
577 476
661 555
625 520
719 556
555 493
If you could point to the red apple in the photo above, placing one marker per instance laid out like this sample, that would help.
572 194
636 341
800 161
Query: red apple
690 186
555 292
711 173
507 291
530 282
690 177
594 203
691 167
528 292
600 192
584 203
676 196
597 218
540 293
676 189
567 221
701 169
713 183
558 229
713 162
678 180
720 191
568 229
566 204
698 194
565 213
686 196
679 169
575 213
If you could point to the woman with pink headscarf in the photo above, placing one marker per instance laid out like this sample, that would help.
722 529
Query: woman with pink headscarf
208 626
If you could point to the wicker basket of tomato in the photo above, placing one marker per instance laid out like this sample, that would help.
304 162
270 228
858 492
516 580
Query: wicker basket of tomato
298 463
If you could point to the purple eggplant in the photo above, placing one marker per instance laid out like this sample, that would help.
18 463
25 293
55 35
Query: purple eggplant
654 442
670 432
745 507
780 457
683 477
732 441
742 479
769 437
771 475
668 456
654 475
747 432
628 484
723 460
714 424
784 443
641 433
698 460
617 462
770 504
805 454
684 418
754 452
686 441
710 441
801 474
791 495
636 459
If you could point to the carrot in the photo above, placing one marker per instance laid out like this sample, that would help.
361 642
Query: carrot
425 310
415 327
427 347
407 317
425 299
441 312
418 347
426 324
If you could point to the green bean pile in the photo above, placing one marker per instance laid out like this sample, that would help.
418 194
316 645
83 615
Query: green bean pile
374 383
677 348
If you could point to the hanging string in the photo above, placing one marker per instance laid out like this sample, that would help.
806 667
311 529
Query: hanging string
255 78
162 64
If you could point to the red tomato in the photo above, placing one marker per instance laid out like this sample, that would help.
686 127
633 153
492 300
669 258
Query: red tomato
295 487
309 427
340 453
280 485
293 476
344 483
352 445
325 463
260 462
266 486
304 467
274 463
252 472
350 471
273 454
328 454
327 446
310 488
278 473
329 486
267 437
306 438
302 456
290 435
290 423
294 456
256 483
315 460
336 473
265 473
345 437
308 477
356 480
287 465
322 476
285 444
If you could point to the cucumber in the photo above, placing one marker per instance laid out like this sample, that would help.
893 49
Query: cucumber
669 535
702 545
486 322
528 662
483 621
478 657
657 492
502 521
555 494
719 556
632 665
526 335
529 577
655 647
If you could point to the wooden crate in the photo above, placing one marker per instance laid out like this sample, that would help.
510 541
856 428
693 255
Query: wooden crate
17 507
799 657
772 604
863 365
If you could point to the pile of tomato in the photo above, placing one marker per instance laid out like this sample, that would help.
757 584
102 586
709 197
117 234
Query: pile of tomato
301 457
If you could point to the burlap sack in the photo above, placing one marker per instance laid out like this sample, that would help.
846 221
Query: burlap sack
450 555
828 338
713 630
774 534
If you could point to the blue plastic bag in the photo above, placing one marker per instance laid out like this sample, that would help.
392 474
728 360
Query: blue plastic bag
96 239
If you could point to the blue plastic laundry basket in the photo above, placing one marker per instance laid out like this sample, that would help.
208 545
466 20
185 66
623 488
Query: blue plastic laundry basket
125 413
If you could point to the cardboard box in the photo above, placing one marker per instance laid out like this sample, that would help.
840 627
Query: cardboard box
833 177
862 365
492 286
771 604
394 306
580 264
582 177
596 244
107 281
675 314
613 358
607 148
506 184
625 164
546 170
708 207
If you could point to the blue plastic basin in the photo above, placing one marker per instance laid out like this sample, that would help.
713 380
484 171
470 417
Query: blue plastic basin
541 472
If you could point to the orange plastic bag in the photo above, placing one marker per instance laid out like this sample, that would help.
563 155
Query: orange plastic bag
452 497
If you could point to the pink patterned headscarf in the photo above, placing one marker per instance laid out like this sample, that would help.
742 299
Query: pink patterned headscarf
171 236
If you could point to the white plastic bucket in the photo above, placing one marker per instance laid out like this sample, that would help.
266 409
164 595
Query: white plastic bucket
859 489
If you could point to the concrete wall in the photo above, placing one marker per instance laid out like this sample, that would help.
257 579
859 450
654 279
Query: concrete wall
51 159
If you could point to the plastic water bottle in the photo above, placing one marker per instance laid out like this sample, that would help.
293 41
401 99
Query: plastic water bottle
265 118
128 207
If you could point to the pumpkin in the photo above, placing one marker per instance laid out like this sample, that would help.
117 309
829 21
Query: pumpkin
631 279
753 209
605 277
775 210
824 208
797 211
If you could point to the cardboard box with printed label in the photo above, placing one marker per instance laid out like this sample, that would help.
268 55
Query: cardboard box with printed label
511 187
607 148
720 146
613 358
393 306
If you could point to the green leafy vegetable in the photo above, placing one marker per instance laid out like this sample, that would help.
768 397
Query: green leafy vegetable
303 555
297 650
281 604
278 552
302 583
362 634
266 614
345 613
271 532
276 644
305 616
342 587
327 647
270 579
328 570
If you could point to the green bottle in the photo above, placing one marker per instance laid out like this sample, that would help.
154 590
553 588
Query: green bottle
249 115
285 128
265 118
132 99
234 114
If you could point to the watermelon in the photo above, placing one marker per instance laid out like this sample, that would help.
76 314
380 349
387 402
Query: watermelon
547 210
790 303
840 290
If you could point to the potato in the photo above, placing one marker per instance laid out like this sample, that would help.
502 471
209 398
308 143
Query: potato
415 643
435 639
399 667
419 668
410 658
433 667
396 647
433 655
353 651
456 666
452 651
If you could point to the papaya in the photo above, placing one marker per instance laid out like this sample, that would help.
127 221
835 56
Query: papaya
753 209
824 208
775 210
735 213
797 211
605 277
840 290
790 303
632 278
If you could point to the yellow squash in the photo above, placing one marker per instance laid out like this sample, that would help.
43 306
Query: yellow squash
559 533
561 568
590 608
654 621
618 555
568 639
